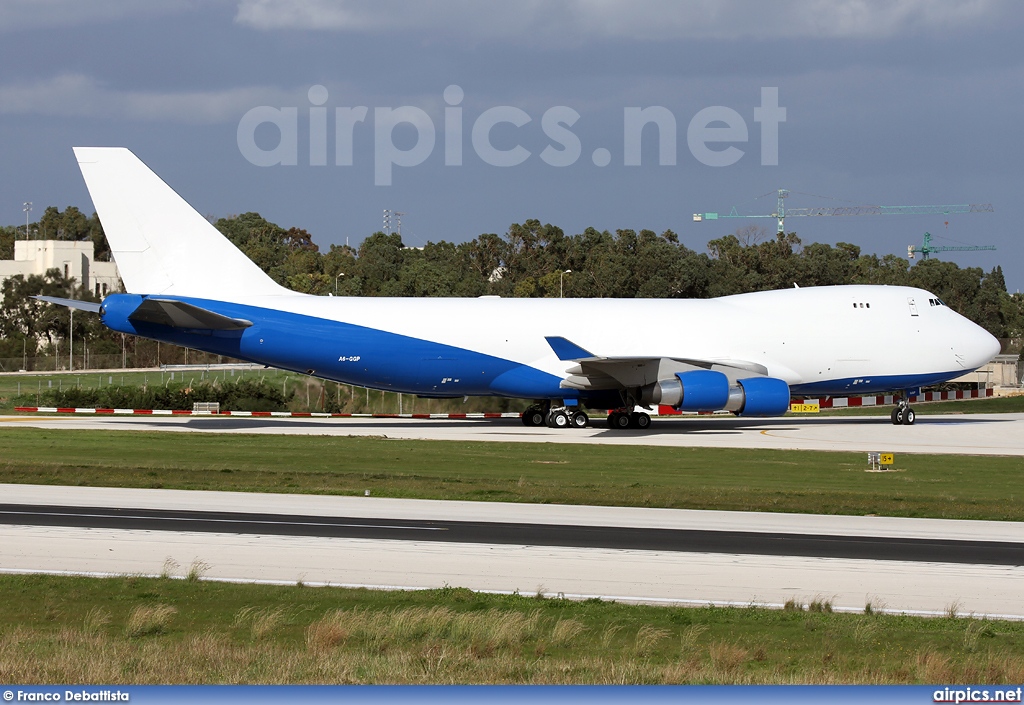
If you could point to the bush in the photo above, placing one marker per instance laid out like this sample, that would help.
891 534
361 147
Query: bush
242 395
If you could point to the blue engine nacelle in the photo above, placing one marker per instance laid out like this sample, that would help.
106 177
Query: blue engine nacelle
709 390
759 396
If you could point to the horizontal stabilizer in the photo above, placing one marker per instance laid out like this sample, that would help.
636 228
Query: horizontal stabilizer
89 306
178 314
567 350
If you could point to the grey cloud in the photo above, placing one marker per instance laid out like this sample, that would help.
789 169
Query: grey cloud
19 15
76 95
637 20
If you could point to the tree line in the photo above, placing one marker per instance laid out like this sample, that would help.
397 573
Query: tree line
530 259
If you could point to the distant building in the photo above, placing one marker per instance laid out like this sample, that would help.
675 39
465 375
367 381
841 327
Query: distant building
73 259
1001 372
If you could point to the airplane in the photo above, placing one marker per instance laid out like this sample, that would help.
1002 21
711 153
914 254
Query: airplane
186 284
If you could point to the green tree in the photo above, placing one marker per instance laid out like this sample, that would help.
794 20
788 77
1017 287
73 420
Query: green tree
8 234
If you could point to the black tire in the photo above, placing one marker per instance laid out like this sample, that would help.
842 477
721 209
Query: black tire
640 420
909 417
620 420
895 416
558 419
580 420
533 417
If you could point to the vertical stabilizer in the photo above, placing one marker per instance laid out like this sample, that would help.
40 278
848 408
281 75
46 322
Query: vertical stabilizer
160 243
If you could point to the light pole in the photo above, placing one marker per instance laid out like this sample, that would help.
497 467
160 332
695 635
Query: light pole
340 274
71 340
561 281
27 207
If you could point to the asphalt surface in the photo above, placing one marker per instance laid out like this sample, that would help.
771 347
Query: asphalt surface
506 533
964 434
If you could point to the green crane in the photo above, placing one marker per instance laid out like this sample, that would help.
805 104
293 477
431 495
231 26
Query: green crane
782 212
927 248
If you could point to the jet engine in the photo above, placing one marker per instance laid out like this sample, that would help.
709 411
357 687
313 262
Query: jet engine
709 390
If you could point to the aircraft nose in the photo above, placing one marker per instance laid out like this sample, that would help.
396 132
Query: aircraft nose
977 346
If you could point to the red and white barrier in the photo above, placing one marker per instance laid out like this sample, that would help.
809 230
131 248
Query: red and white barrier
880 400
292 414
886 400
824 403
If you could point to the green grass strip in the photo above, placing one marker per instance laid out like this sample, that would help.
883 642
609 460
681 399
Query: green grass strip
948 486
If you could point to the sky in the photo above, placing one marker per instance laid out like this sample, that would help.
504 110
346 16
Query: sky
469 116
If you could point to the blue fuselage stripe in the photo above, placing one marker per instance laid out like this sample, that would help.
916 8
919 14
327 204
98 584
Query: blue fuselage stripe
346 353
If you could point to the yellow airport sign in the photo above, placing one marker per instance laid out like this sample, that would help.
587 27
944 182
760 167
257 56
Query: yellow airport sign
805 408
885 458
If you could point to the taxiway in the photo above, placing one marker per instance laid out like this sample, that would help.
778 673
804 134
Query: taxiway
965 434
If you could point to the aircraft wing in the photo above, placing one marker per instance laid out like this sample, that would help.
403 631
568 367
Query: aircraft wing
594 372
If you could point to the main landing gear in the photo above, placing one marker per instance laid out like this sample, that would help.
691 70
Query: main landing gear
623 419
555 417
903 414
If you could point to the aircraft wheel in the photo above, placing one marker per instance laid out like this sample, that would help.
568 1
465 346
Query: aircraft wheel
558 419
895 416
533 417
580 420
909 417
639 420
619 420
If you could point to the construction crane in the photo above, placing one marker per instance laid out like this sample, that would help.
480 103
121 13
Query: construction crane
782 213
927 248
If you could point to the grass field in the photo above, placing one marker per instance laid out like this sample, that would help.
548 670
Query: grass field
963 487
135 630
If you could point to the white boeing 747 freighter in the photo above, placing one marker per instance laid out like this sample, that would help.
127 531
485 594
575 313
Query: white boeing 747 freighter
188 285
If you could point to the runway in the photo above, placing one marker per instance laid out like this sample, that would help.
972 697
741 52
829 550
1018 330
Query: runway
518 533
644 555
967 434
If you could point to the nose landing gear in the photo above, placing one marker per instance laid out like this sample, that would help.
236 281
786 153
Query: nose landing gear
903 414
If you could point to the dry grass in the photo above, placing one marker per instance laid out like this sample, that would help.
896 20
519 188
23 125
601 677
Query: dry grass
197 570
149 619
566 631
690 635
727 658
648 638
137 630
95 621
332 654
262 623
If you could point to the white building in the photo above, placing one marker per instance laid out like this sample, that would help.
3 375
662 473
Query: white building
1001 372
73 259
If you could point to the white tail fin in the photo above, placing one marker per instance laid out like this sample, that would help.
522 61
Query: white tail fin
160 243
